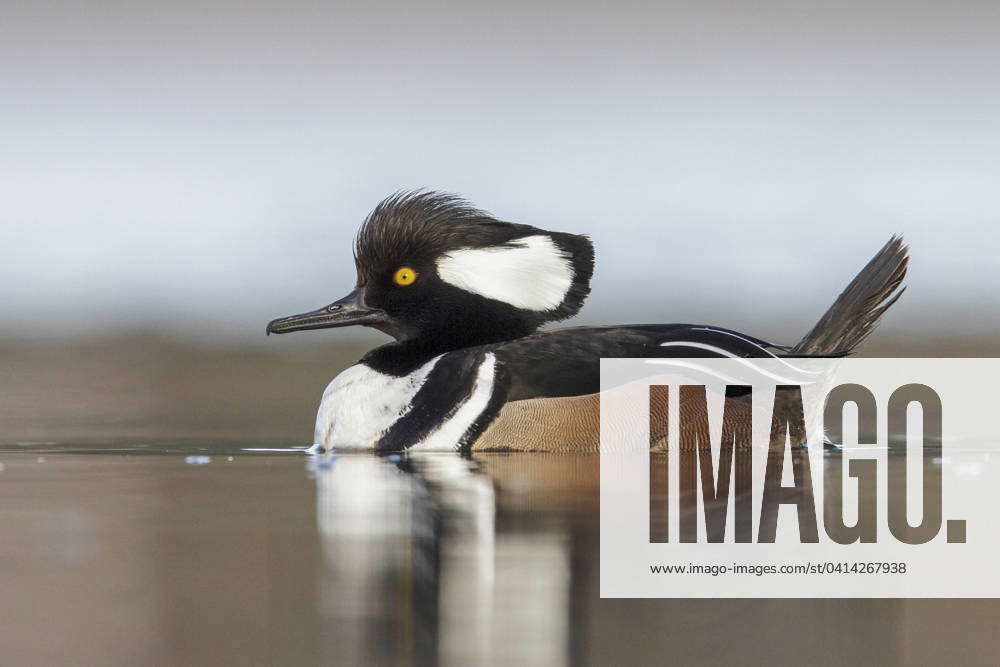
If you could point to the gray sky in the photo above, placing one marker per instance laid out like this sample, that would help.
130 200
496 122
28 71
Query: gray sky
202 167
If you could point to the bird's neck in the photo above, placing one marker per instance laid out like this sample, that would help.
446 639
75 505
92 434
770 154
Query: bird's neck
405 356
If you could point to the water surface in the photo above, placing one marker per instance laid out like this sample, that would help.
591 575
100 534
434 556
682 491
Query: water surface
208 552
154 512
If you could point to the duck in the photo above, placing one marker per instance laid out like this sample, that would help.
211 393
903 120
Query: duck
465 296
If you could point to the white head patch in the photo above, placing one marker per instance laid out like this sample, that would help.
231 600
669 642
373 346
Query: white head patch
531 272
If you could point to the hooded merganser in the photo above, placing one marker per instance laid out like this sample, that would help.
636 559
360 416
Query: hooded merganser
464 294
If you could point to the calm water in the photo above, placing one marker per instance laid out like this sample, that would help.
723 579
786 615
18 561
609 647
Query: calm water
125 545
207 553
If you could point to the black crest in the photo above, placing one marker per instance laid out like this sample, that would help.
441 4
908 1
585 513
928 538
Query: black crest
427 224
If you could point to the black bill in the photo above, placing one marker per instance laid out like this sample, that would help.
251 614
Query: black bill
346 312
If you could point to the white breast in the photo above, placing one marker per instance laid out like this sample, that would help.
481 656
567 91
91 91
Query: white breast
361 403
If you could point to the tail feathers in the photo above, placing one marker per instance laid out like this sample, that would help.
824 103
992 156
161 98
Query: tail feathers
856 312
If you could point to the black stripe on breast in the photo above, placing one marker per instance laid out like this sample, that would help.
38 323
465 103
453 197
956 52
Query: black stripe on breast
501 386
448 385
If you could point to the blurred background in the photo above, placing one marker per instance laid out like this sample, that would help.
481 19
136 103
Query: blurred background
173 175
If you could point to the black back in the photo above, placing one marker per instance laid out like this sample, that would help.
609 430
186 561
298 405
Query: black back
566 362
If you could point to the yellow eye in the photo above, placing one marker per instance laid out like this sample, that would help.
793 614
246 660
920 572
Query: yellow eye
404 276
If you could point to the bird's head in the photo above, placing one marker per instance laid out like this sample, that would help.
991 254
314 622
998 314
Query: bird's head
431 265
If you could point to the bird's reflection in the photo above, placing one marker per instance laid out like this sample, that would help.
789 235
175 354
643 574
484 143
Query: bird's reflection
416 569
